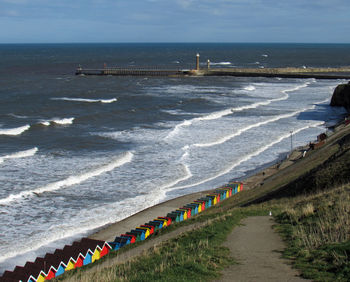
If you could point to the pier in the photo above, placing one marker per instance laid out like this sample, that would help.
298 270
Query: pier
131 72
285 72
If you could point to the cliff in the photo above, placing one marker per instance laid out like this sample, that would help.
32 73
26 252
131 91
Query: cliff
341 96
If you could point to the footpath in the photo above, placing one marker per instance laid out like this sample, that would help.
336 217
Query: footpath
258 250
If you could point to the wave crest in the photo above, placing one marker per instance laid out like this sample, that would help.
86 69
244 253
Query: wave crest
14 131
21 154
71 180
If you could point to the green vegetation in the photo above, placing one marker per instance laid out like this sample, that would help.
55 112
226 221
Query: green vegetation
317 229
312 210
193 256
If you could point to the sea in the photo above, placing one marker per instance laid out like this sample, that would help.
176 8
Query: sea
80 152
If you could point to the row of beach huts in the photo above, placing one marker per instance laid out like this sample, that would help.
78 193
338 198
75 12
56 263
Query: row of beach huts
88 251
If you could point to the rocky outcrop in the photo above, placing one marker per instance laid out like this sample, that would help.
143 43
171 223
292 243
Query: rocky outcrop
341 96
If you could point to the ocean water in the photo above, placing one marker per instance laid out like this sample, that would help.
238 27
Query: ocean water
77 153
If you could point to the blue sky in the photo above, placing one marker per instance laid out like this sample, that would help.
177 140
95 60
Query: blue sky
51 21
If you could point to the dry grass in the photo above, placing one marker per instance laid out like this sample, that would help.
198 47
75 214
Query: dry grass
321 219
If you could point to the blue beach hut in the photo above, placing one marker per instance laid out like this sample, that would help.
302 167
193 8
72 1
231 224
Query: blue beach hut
194 208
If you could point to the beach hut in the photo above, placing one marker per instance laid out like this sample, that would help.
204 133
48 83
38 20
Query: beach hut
205 201
213 199
175 217
105 249
131 237
41 277
35 270
147 231
183 214
88 257
48 266
51 273
119 242
188 212
208 201
165 222
158 225
60 269
222 193
226 191
202 203
198 205
194 208
150 227
137 235
80 261
70 264
96 254
155 224
140 232
169 221
84 254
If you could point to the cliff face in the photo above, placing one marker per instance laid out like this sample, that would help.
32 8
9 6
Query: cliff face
341 96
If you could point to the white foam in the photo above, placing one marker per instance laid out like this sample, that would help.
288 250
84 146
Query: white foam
248 157
240 131
71 180
220 114
87 100
63 121
67 233
264 55
45 123
212 116
249 88
17 116
14 131
221 63
21 154
187 175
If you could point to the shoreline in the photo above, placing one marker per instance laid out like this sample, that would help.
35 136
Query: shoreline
251 180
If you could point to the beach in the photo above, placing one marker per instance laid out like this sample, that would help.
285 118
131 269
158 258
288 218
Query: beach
109 232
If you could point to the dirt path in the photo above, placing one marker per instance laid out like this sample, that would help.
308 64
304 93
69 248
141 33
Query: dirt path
258 250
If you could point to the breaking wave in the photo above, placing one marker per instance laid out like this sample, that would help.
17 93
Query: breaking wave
14 131
71 180
21 154
105 101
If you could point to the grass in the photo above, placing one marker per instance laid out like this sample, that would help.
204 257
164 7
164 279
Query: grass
311 204
194 256
317 230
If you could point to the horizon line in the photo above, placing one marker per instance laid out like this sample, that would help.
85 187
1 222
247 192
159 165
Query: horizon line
172 42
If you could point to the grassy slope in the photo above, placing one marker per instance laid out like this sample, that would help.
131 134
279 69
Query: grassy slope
311 199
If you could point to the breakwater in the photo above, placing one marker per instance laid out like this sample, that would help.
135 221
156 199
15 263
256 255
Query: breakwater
287 72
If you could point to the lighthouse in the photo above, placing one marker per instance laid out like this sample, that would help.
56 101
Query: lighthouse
197 62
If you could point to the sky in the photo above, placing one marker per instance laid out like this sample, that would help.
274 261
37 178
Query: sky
64 21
